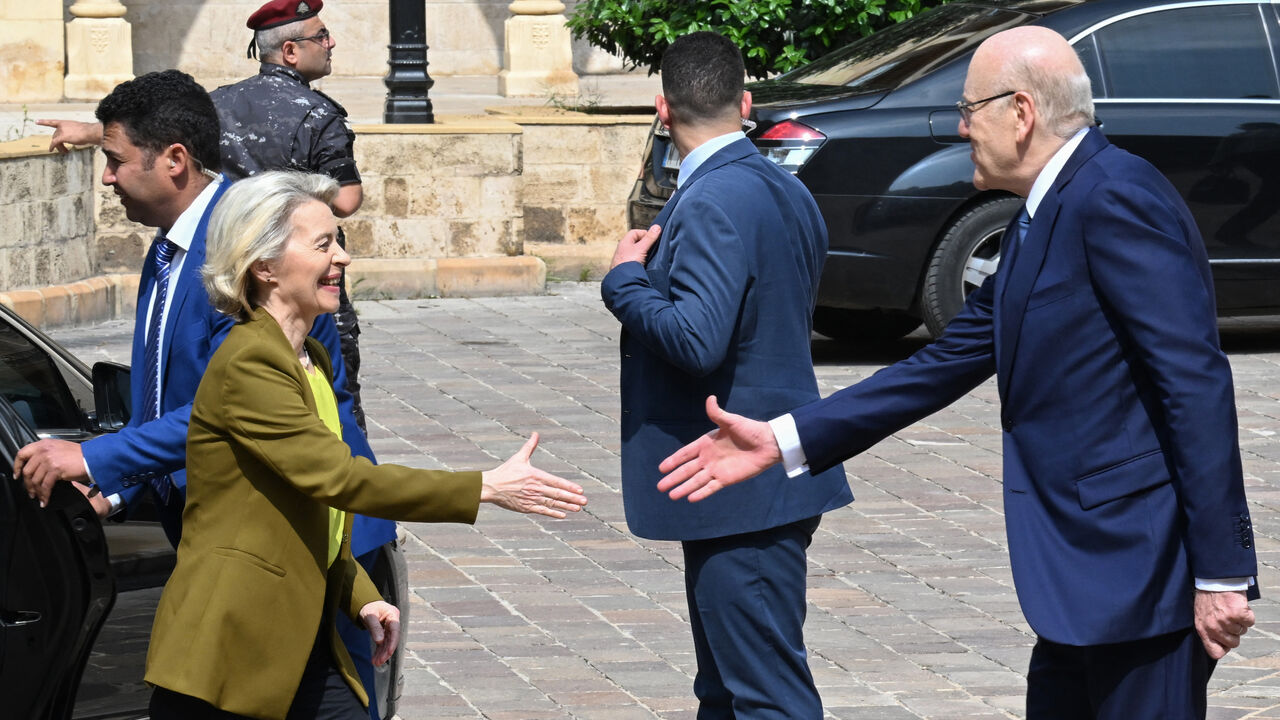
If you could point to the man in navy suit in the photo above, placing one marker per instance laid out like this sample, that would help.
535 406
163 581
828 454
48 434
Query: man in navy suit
1123 492
721 304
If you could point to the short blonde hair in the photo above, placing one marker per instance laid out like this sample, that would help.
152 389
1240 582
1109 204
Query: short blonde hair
252 222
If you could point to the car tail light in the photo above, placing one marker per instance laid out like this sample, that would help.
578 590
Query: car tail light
790 144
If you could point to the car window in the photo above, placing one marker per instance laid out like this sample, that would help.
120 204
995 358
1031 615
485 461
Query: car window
904 52
33 384
1179 53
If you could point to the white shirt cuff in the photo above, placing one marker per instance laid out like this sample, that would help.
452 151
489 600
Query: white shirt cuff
788 439
1237 584
117 503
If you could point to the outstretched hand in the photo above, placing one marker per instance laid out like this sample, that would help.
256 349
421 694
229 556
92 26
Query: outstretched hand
1221 618
739 449
520 487
382 620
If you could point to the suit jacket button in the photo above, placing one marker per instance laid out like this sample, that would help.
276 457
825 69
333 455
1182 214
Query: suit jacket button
1007 425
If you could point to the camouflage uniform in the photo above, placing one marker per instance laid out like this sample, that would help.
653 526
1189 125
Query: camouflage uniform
275 121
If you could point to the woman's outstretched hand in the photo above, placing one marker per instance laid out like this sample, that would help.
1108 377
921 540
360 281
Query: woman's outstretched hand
520 487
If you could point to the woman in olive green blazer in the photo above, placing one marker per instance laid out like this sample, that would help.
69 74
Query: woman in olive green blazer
245 624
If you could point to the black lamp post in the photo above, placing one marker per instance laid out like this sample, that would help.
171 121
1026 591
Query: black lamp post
407 81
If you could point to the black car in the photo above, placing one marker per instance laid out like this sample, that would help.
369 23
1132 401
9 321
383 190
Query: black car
871 130
78 596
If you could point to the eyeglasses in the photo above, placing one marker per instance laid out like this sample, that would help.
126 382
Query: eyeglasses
967 109
321 37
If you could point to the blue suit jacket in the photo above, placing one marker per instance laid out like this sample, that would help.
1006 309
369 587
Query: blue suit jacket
1122 478
124 461
722 307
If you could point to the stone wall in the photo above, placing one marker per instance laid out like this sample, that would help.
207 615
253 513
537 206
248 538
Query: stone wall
31 50
46 215
207 38
578 173
455 208
47 249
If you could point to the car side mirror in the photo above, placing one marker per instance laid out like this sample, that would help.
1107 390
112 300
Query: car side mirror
113 403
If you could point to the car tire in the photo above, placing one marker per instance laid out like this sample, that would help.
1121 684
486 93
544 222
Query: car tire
968 253
846 324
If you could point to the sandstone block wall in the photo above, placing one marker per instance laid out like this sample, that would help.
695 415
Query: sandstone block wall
46 215
437 191
577 178
31 51
449 209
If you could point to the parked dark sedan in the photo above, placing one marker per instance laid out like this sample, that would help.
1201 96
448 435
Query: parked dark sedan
77 596
871 130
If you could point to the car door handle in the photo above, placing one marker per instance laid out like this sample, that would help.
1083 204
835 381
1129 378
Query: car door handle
18 618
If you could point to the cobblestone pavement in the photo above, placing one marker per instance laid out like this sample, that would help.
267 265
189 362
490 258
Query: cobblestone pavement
912 612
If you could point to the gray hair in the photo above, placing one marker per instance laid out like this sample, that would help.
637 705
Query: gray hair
252 222
271 40
1064 101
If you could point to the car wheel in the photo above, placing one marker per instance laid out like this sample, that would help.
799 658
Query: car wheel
966 256
847 324
391 577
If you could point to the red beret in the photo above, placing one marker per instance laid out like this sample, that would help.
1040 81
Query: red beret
283 12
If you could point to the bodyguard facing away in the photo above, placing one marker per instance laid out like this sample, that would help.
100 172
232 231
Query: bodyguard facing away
1123 494
721 304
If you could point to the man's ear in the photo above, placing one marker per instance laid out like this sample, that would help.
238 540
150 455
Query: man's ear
289 53
745 105
1024 106
664 110
175 159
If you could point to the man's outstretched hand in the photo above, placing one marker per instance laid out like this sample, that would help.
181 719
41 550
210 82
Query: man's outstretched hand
738 450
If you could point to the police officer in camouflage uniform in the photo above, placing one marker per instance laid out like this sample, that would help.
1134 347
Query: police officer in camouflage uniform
276 121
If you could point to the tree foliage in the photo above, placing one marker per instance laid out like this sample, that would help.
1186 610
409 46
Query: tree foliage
775 35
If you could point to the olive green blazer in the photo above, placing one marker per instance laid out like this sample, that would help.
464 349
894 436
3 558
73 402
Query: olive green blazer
238 618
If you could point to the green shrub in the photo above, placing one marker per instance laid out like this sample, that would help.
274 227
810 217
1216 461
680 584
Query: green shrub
775 35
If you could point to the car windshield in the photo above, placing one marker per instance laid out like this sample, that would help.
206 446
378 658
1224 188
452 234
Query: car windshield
904 52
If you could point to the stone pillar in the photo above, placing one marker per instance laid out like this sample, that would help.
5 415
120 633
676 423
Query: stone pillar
537 58
30 51
99 49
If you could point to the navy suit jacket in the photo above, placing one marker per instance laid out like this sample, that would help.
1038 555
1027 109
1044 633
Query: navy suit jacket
124 461
1122 477
722 307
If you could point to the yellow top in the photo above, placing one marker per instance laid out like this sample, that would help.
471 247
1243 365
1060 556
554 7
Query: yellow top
327 407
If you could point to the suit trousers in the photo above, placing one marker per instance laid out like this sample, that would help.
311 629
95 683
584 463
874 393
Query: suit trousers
1161 678
746 596
322 694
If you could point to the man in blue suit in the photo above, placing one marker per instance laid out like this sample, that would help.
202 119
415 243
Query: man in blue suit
721 304
1123 492
159 133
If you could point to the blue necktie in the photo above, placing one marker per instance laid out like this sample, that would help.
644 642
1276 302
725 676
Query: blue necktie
1015 243
151 389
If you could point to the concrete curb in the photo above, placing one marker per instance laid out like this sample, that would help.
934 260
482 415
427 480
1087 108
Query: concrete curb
107 297
95 299
388 279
